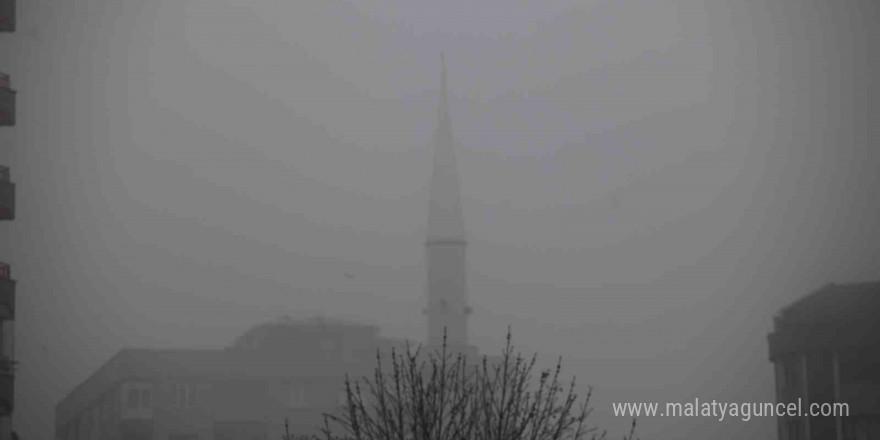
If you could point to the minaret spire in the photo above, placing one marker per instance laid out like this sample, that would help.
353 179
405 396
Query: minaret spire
443 72
445 220
448 308
444 104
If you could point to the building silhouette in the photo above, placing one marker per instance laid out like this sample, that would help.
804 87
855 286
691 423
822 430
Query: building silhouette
7 213
826 349
283 369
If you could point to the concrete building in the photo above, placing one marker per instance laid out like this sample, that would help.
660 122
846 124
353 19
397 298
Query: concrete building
282 369
826 349
7 212
7 15
7 195
7 101
7 362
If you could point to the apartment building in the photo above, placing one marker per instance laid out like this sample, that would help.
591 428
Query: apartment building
826 349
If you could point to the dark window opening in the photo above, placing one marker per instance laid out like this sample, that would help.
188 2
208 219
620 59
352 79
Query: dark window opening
146 398
794 430
132 402
792 372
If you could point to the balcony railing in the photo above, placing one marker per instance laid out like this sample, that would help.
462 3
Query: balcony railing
7 100
7 15
7 195
7 294
7 391
7 365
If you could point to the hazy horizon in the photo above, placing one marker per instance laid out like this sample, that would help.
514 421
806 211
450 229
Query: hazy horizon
644 183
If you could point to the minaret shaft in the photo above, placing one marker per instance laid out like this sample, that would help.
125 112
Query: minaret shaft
446 244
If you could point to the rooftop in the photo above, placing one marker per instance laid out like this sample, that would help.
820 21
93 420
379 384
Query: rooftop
284 327
835 302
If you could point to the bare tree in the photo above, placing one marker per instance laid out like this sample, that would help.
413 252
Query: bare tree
443 396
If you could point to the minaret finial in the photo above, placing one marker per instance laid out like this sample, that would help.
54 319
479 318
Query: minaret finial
444 99
443 73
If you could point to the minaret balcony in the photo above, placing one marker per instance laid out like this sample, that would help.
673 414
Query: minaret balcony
7 293
7 195
444 308
7 15
7 101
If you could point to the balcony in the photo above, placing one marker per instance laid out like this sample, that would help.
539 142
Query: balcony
7 195
7 293
7 101
7 366
7 391
7 15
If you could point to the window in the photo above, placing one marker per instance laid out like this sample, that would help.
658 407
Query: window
96 422
137 400
185 395
6 340
132 401
791 372
298 397
146 399
86 426
108 408
794 429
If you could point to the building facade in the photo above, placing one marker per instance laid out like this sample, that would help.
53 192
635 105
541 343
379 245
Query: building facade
826 349
286 369
7 213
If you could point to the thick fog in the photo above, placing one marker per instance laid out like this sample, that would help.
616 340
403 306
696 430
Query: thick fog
644 182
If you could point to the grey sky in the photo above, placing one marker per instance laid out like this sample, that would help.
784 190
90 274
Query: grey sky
644 182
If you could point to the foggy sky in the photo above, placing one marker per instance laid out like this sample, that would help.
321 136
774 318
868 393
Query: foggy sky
644 182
